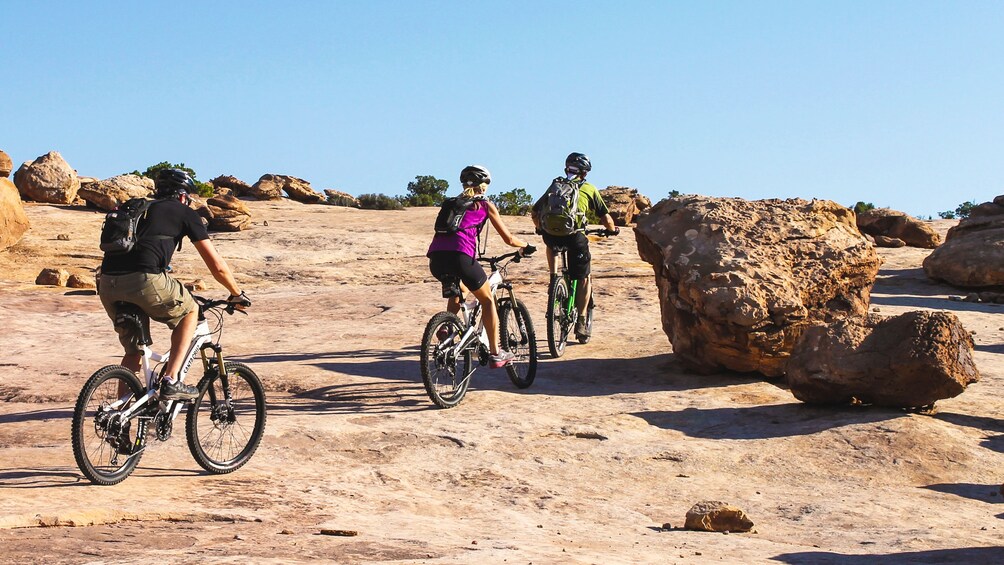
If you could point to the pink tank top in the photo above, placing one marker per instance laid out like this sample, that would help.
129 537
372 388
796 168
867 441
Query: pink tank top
465 240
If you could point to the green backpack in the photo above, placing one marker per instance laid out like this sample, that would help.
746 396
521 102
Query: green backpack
560 214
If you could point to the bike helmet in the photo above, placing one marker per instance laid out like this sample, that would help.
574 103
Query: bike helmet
579 162
173 182
473 175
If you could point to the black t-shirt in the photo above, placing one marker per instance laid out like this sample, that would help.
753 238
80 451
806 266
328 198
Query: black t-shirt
153 254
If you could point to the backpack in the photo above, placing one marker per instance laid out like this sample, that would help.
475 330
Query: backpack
560 212
451 214
119 233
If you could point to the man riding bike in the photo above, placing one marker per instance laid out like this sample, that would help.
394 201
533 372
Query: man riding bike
560 217
140 277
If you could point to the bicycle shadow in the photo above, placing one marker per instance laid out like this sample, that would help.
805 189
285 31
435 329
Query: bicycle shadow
41 477
36 415
973 491
959 555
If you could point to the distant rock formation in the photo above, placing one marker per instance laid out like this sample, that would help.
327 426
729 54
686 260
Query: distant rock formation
108 194
271 187
233 184
904 361
13 220
740 280
973 252
339 198
624 203
6 165
227 213
48 179
887 225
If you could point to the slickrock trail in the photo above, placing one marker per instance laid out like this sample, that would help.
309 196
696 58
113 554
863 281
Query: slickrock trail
612 442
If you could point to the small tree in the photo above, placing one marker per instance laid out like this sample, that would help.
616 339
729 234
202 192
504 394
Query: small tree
674 193
203 189
426 190
379 202
515 202
862 207
961 211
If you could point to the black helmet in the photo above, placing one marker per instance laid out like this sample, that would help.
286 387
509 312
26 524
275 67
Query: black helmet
579 162
171 182
473 175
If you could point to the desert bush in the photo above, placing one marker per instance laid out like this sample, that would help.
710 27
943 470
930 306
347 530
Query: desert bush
425 190
379 202
961 211
515 202
334 200
862 207
203 189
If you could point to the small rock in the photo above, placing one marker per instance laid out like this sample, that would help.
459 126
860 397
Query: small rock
667 526
63 237
53 277
80 281
239 537
342 533
715 516
286 532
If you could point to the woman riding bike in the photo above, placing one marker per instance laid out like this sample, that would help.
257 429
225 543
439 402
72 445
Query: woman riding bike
454 255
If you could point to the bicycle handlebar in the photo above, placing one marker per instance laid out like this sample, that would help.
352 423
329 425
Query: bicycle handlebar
516 256
603 232
207 304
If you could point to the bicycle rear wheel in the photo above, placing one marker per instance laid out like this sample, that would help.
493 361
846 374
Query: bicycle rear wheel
222 435
102 441
518 337
557 317
445 373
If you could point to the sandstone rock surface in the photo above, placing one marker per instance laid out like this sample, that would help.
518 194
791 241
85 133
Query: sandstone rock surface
739 280
48 179
13 221
716 516
6 165
624 203
227 213
271 187
898 225
909 360
973 252
108 194
233 184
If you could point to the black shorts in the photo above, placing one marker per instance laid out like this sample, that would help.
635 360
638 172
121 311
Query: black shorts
578 252
443 264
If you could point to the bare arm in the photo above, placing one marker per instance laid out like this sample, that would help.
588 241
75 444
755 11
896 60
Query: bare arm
608 222
507 237
217 266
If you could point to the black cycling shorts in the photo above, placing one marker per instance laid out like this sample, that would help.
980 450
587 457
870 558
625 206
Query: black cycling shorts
443 264
578 252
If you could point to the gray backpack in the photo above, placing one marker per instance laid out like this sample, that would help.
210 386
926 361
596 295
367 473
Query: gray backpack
560 213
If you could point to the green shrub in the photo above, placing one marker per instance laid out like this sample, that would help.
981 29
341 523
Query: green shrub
862 207
379 202
425 190
515 202
203 189
961 211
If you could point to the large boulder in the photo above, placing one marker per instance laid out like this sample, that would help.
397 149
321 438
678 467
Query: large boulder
973 252
13 220
6 165
227 213
108 194
624 203
48 179
271 187
339 198
233 184
897 225
740 280
904 361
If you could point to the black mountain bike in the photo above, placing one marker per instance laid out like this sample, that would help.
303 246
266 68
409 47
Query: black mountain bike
451 343
114 411
561 311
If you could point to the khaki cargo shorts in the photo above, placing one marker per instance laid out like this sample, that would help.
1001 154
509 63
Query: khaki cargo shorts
162 297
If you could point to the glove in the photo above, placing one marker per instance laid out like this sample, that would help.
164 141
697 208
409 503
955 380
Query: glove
528 250
241 300
615 231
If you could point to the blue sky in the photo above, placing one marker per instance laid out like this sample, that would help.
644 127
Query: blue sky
894 103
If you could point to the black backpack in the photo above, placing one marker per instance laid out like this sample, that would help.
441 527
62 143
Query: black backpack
451 214
560 214
120 231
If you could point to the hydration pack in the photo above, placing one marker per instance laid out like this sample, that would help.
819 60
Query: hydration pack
560 213
452 213
120 231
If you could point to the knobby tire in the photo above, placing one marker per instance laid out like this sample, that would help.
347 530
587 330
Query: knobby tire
223 440
91 449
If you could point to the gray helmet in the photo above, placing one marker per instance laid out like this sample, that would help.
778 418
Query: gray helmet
579 162
172 182
473 175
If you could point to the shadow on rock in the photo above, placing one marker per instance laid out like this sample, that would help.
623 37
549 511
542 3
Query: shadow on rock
35 415
42 477
972 491
960 555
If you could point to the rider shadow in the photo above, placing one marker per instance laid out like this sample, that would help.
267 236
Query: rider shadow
958 555
42 477
983 493
35 415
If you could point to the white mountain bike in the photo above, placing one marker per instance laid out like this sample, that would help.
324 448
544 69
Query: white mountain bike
114 411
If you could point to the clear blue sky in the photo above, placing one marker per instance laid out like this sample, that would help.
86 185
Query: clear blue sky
900 104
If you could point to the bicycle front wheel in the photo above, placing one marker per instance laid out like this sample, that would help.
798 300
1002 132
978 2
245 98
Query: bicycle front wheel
226 422
518 337
102 440
445 373
557 317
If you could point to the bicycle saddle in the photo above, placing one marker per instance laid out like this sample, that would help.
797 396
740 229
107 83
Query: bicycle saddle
130 316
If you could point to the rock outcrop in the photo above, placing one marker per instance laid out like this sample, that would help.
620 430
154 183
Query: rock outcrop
339 198
897 225
13 221
716 516
271 187
903 361
48 179
108 194
973 252
233 184
624 203
6 165
739 281
52 277
227 213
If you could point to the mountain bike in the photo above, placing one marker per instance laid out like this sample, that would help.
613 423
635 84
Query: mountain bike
114 412
561 311
451 343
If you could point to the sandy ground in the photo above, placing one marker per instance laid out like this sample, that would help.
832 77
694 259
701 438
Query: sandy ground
597 462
